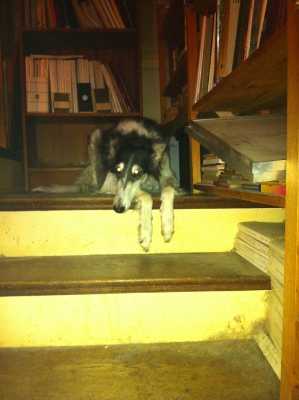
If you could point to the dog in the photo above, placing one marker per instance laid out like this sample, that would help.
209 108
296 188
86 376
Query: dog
130 160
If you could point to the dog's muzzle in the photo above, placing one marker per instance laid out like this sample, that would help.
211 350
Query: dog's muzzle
119 209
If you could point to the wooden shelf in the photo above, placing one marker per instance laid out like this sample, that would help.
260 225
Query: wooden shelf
133 273
258 83
262 198
35 201
80 115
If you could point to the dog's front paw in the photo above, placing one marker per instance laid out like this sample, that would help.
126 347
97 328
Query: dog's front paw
167 215
144 237
167 228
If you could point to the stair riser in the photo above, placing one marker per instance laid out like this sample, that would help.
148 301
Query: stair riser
50 233
130 318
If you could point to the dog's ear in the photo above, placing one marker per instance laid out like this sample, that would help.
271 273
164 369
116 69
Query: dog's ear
94 142
158 151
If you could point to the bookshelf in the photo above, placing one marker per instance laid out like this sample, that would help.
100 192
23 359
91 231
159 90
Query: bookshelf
267 80
55 143
177 48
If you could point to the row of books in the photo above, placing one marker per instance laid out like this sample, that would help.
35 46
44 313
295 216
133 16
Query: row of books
229 36
73 84
103 14
262 244
216 172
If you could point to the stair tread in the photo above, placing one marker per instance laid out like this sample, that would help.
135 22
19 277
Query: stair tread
129 273
233 369
35 201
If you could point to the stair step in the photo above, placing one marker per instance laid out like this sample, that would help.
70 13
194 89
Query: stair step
44 201
232 370
129 274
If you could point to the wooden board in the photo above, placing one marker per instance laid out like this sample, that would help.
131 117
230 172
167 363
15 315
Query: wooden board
251 145
129 274
44 201
263 198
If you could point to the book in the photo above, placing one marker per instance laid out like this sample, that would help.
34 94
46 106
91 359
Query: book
100 93
226 185
275 18
83 86
37 85
207 52
91 14
228 38
253 251
263 231
241 32
82 18
212 160
278 286
115 104
200 52
127 12
37 94
251 258
129 107
120 22
99 6
247 32
274 320
274 188
254 243
276 249
257 24
126 87
276 269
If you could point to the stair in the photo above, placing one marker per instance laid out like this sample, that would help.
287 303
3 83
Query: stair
79 298
218 370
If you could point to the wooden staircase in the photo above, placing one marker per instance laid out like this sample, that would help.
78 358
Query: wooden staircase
166 325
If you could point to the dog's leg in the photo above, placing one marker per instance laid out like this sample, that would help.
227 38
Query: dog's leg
145 205
167 214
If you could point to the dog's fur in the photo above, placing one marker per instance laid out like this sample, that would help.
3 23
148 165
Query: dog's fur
131 161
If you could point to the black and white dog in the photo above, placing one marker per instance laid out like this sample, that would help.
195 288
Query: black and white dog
131 161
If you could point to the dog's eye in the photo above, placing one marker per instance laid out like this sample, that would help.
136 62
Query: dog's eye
117 169
137 172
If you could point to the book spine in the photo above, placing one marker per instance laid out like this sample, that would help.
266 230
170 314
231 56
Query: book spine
100 9
253 242
116 13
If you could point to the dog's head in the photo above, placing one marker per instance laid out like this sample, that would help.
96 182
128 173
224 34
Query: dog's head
134 150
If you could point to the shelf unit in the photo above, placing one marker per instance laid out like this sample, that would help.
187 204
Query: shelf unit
55 144
266 81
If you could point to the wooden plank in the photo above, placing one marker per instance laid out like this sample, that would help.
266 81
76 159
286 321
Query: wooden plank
139 371
129 274
44 201
260 82
177 81
262 198
290 346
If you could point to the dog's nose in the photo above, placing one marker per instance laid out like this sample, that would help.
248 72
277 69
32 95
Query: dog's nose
119 209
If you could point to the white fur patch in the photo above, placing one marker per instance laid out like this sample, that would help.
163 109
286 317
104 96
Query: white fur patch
167 214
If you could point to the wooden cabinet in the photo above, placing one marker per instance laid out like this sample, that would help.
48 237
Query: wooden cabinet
55 144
